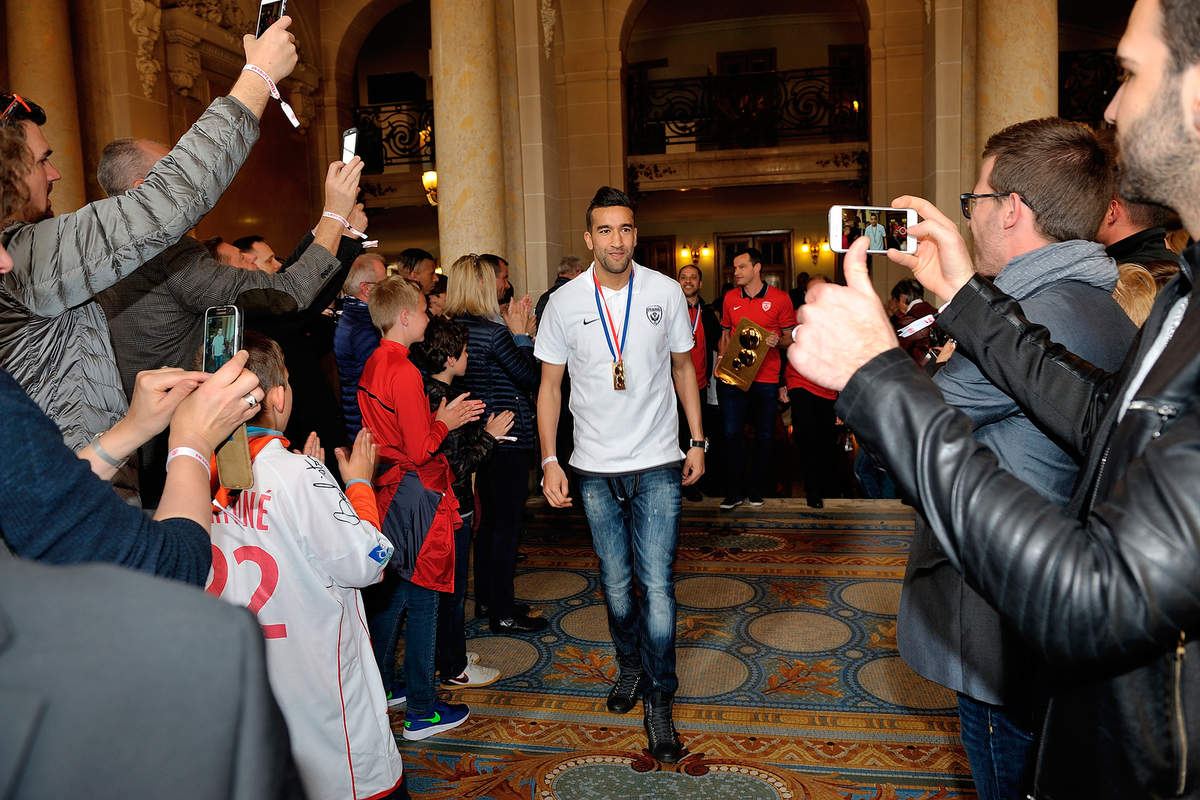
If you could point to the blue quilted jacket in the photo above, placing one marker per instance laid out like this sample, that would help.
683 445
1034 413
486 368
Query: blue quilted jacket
353 342
502 372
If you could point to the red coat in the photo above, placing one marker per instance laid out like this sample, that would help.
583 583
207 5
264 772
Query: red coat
420 520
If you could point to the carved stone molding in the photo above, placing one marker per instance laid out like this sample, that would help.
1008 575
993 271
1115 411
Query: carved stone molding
547 26
805 163
183 61
145 20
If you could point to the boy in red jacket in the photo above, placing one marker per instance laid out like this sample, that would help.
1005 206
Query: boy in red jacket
416 503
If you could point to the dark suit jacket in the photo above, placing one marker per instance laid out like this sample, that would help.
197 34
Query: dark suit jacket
115 684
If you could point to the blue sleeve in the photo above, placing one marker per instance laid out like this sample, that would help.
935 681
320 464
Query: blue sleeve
964 387
515 356
58 512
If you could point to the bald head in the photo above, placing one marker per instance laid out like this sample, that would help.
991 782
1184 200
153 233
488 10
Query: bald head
125 163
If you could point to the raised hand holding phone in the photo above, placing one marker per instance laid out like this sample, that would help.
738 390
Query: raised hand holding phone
942 262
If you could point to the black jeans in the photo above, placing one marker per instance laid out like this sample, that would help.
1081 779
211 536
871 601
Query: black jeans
814 429
758 406
502 484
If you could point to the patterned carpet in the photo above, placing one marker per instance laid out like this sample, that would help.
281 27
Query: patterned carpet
791 686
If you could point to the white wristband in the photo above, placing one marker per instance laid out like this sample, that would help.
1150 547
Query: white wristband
189 453
345 223
548 459
287 109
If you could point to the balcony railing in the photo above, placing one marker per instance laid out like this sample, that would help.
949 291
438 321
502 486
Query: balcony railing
761 109
395 134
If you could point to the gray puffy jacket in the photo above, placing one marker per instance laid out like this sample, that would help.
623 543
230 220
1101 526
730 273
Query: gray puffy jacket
53 337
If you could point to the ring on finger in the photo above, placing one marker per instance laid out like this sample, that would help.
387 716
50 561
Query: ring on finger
251 400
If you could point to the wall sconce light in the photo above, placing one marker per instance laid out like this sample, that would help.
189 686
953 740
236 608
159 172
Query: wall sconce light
814 248
429 181
688 253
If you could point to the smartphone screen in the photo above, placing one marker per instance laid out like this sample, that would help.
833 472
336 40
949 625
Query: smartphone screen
269 12
349 144
222 336
886 228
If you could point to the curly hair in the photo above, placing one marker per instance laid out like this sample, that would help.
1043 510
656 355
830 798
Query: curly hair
14 165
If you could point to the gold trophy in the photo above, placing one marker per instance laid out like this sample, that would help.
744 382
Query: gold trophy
744 355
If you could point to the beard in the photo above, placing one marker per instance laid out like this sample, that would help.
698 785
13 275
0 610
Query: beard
32 214
1158 159
615 267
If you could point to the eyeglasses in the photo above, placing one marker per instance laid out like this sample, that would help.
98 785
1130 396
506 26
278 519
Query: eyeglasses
16 100
967 201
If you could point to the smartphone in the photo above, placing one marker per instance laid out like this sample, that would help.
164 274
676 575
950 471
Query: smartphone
269 12
886 227
223 338
222 335
349 144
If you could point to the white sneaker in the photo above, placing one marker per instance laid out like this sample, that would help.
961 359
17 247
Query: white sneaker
475 675
472 658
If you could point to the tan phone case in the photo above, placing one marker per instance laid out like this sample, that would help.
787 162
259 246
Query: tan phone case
233 461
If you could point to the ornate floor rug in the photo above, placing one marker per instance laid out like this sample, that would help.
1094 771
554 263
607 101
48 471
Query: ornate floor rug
790 683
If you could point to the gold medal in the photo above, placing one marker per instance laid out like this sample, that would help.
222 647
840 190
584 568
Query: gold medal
619 375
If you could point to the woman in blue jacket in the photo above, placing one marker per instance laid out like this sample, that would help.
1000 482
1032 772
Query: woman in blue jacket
502 372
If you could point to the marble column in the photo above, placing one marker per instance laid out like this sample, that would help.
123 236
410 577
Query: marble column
472 213
1016 64
41 65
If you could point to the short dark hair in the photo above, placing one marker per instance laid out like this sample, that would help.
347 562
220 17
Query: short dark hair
1181 32
492 260
908 288
246 243
608 197
754 253
25 110
1143 215
211 244
694 266
122 162
443 339
1061 171
413 256
265 360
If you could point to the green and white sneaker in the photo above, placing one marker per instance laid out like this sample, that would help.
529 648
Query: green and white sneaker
442 717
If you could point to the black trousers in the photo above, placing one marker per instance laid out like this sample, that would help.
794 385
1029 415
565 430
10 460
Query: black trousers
814 430
501 484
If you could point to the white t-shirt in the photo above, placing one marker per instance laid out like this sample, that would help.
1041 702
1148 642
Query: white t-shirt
638 428
293 550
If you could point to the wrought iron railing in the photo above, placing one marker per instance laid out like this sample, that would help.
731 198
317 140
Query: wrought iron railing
760 109
392 134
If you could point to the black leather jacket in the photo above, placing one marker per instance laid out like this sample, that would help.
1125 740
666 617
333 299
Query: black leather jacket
1108 589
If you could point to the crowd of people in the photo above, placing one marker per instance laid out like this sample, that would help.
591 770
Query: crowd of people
1042 423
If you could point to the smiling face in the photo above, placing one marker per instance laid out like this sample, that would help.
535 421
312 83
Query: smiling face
39 181
689 281
612 238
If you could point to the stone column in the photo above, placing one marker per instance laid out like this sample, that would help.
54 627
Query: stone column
41 64
467 129
1016 64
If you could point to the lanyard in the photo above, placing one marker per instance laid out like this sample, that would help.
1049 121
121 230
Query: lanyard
606 320
695 321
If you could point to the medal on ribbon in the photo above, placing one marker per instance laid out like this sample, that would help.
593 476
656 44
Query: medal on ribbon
695 322
615 347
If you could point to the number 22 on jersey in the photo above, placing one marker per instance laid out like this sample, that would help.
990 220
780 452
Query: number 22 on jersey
268 580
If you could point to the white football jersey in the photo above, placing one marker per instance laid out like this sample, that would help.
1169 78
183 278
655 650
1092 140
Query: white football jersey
293 551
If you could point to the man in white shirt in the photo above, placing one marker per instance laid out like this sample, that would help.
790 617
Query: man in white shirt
876 233
623 330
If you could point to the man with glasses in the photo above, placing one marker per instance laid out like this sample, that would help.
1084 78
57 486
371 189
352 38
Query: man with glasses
1043 188
1104 590
53 337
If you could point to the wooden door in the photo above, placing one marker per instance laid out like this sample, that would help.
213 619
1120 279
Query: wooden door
656 252
776 247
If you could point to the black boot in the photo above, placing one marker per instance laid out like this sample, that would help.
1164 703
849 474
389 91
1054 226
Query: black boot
663 741
628 689
482 611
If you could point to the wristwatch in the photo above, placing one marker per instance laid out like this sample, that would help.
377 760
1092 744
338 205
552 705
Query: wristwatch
701 443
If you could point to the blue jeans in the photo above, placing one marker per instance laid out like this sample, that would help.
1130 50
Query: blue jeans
757 405
386 604
635 525
451 630
998 744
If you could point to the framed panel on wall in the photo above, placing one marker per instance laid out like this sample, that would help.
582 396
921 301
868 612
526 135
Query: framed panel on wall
656 252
